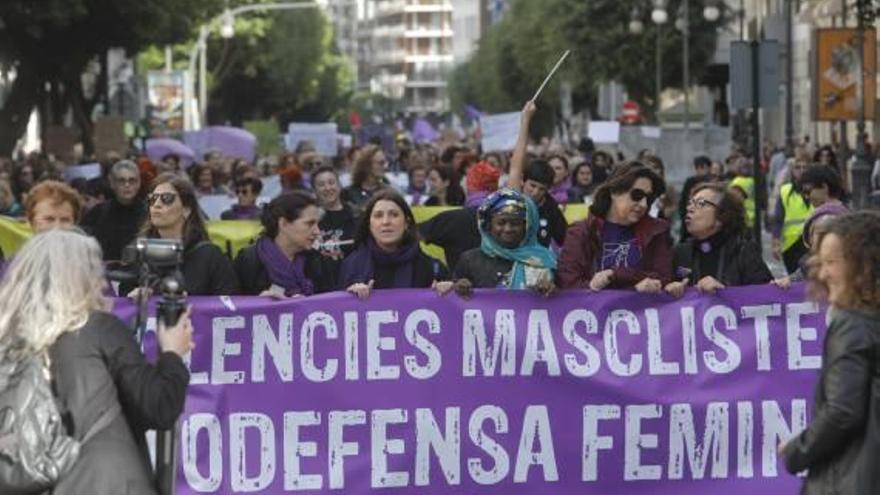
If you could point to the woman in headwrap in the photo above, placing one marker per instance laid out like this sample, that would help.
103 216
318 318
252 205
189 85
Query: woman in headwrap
509 255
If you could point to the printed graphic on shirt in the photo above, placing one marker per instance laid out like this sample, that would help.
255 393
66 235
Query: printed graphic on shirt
620 254
330 244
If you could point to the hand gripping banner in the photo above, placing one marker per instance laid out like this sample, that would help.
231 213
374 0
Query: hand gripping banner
412 393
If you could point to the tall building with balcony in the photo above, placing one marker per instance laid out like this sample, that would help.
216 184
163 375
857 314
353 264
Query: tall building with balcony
343 16
406 47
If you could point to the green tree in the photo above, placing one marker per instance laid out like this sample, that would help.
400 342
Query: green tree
285 66
516 54
49 44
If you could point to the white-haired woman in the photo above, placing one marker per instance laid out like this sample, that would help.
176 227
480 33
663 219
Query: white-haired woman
54 306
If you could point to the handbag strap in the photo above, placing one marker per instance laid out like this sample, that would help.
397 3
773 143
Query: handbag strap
103 421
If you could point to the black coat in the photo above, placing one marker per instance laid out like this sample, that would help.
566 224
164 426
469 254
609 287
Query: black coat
206 272
455 231
95 368
740 263
841 446
484 272
254 278
114 225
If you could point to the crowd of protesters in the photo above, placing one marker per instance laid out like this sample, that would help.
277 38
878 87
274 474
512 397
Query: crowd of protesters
349 225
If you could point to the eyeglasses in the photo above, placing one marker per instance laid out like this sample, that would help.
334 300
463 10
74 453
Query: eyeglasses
167 198
126 181
700 203
637 195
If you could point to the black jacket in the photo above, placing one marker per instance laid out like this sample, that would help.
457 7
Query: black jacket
484 272
114 225
95 368
254 278
740 262
841 446
206 272
425 271
454 230
553 225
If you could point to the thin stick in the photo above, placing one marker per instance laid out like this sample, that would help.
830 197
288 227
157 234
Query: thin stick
550 75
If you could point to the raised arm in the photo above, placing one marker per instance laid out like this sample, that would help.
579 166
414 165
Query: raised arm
518 161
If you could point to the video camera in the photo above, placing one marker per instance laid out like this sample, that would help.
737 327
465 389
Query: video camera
156 265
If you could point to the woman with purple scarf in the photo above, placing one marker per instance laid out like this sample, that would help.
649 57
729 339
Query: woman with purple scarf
387 255
282 262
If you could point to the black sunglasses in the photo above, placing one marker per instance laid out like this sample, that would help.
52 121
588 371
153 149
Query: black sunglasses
637 195
167 198
243 191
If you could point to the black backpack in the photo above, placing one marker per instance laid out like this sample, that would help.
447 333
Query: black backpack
35 448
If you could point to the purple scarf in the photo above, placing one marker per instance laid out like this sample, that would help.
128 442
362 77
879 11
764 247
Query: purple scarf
370 255
288 274
475 198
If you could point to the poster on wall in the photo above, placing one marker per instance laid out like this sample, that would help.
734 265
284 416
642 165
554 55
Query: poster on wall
837 65
166 92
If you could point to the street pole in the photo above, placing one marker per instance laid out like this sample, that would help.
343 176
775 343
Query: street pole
659 72
789 78
686 75
756 136
861 169
199 51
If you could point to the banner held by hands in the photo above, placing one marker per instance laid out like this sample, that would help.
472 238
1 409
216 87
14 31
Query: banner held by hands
550 75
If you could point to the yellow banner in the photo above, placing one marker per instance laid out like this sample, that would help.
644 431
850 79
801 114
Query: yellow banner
233 235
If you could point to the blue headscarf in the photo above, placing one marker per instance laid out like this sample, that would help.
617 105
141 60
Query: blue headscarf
530 252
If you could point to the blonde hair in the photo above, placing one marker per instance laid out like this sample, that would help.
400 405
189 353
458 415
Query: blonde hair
51 287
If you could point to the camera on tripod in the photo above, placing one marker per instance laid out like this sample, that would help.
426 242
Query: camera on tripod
158 263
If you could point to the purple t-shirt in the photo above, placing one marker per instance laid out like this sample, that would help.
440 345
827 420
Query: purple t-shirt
620 249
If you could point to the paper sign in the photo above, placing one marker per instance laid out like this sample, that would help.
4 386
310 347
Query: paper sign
324 137
605 131
271 187
651 132
88 171
500 131
345 140
215 204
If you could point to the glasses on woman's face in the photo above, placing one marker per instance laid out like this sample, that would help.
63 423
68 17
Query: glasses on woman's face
243 192
700 203
637 195
167 198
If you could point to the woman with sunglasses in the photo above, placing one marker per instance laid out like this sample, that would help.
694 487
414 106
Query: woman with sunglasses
174 214
840 448
718 252
619 245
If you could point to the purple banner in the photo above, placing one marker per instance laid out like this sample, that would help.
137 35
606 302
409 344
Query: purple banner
610 392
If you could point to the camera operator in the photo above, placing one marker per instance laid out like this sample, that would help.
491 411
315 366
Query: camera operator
174 215
105 388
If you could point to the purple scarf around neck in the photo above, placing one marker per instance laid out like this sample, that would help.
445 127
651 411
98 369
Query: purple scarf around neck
366 257
282 271
475 198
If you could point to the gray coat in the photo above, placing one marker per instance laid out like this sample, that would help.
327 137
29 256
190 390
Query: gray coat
841 446
96 368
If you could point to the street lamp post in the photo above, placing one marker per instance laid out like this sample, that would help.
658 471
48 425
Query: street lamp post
861 169
227 30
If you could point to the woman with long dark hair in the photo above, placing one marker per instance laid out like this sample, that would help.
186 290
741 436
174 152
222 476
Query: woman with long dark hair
619 245
283 263
387 254
174 215
368 174
445 187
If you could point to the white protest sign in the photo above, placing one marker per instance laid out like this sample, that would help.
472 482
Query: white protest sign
324 137
215 204
271 188
345 140
651 132
605 131
88 171
499 131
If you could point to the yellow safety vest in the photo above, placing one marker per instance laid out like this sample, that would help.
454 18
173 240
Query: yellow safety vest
747 184
795 214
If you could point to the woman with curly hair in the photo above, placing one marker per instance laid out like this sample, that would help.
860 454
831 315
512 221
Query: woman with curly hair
368 175
841 446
